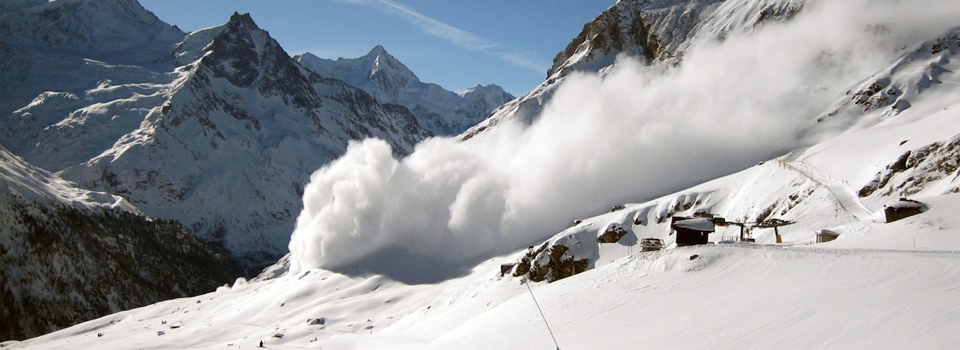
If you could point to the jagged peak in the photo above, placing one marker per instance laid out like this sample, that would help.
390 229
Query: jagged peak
247 55
243 31
378 51
380 62
306 56
238 20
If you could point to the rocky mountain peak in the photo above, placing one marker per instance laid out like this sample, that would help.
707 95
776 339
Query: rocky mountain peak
377 51
387 71
377 72
238 20
247 56
382 75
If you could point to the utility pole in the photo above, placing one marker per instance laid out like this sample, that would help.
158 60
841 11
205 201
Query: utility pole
775 224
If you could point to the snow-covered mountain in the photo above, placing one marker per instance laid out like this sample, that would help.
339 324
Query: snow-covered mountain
70 45
69 255
440 111
231 145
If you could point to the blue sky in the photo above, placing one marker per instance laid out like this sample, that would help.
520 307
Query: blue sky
453 43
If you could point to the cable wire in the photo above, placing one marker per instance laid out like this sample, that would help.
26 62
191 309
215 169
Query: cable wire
527 283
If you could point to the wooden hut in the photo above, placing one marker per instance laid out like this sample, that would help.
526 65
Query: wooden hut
826 235
692 231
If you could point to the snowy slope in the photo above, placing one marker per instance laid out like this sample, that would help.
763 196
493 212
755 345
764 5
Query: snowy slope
65 45
27 183
831 296
91 69
440 111
69 255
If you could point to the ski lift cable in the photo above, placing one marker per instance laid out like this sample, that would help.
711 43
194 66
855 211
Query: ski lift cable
527 283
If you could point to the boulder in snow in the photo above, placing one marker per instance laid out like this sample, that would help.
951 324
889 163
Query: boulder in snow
612 233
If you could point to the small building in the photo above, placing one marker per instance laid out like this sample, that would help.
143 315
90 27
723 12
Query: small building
903 208
692 231
825 235
651 244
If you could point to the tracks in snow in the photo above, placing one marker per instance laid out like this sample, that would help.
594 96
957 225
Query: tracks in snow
847 198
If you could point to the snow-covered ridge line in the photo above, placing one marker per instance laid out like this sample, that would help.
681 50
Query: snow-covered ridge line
438 110
30 184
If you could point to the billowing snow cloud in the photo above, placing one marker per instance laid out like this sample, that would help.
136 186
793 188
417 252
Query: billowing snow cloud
625 136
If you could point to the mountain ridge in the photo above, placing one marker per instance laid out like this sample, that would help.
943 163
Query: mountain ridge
379 73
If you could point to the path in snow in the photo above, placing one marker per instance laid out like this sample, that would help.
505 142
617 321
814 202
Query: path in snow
847 198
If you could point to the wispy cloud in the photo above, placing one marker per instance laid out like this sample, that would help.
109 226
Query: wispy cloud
454 35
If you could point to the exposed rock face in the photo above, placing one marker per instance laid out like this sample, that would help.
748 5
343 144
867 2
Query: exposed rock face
556 259
612 234
917 170
893 90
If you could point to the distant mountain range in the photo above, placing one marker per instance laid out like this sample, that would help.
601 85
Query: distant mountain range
439 111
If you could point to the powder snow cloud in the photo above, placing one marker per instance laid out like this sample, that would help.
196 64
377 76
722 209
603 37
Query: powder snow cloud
627 135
